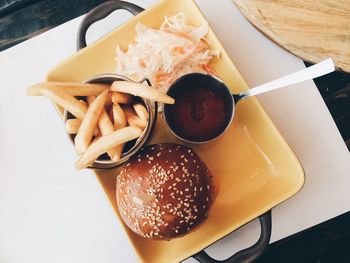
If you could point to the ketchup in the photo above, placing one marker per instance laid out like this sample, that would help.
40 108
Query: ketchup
199 113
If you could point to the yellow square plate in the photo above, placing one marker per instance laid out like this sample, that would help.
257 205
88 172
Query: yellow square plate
254 166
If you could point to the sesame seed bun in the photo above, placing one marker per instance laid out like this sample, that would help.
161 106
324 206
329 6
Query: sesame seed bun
164 191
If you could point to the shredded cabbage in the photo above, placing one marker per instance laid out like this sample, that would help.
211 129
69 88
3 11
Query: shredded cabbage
166 54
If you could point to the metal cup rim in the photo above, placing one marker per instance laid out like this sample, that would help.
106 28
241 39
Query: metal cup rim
228 123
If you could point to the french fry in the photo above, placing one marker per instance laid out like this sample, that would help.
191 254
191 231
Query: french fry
109 102
67 101
141 90
123 98
96 138
119 117
83 102
106 126
89 123
110 114
72 126
119 151
119 121
71 88
97 132
140 110
105 143
133 119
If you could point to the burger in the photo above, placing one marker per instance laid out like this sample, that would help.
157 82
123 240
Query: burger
164 191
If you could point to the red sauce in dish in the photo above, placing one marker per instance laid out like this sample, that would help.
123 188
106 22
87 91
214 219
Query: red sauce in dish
199 114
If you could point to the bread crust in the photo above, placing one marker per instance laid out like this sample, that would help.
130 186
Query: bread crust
164 191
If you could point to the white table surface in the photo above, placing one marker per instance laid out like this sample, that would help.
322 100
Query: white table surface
51 213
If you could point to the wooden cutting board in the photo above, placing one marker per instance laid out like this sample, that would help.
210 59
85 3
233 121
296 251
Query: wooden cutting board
311 29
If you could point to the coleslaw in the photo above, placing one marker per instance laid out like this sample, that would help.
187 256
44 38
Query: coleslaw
165 54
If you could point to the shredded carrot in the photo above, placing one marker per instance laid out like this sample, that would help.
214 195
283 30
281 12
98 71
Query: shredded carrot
210 70
179 50
142 63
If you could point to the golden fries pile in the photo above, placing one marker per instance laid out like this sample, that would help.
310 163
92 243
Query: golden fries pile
108 118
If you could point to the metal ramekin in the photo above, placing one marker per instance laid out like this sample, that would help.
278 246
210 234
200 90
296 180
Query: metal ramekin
106 163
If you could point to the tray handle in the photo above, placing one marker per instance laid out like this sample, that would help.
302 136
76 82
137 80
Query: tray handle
248 254
100 12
